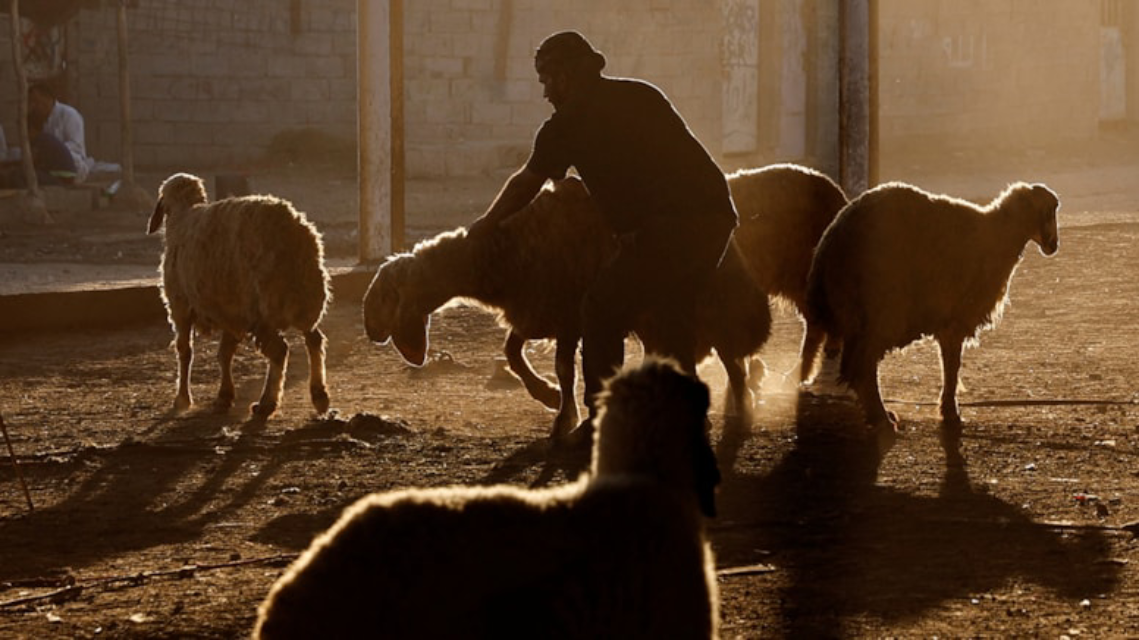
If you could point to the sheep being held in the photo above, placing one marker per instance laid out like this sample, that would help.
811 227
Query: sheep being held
247 266
899 263
533 271
621 553
784 209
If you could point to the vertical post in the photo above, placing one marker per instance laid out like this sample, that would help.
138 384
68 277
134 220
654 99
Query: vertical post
395 65
126 133
872 148
22 102
380 133
854 97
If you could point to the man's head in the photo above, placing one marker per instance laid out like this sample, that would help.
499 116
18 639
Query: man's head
564 61
41 99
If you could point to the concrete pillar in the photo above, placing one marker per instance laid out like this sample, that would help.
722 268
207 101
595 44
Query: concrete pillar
854 97
380 126
823 86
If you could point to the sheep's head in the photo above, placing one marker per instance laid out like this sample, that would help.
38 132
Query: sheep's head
180 190
1046 204
653 421
1033 207
391 313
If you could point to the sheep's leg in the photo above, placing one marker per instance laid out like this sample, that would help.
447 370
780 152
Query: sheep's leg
318 390
538 387
950 348
226 350
273 347
756 372
860 370
739 400
565 365
812 337
184 344
832 349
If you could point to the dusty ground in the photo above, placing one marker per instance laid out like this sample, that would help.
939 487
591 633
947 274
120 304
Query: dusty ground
152 525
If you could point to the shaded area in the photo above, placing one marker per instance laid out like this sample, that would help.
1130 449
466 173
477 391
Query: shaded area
851 546
169 489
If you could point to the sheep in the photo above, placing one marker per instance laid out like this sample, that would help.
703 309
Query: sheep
252 265
533 272
621 552
899 263
784 209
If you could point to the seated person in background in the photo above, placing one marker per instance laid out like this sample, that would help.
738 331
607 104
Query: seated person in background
59 149
61 132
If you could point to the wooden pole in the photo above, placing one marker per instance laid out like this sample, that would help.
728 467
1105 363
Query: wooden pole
854 97
873 150
16 466
395 63
381 148
22 102
126 132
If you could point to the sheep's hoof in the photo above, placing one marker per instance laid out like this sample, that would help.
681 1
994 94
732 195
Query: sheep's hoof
886 436
951 444
320 400
580 438
223 403
262 410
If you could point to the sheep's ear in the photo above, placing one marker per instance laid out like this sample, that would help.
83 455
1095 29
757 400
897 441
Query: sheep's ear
410 338
156 217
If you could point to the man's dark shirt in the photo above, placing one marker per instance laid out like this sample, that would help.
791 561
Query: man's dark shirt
642 164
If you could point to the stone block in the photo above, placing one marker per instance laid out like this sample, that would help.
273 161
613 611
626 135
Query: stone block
70 198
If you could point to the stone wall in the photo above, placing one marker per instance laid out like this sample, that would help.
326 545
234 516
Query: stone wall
969 73
214 81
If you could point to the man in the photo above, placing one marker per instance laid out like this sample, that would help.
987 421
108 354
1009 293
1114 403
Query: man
58 144
658 188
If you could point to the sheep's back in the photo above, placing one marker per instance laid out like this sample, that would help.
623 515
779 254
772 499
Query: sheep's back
493 563
544 258
903 262
784 210
250 262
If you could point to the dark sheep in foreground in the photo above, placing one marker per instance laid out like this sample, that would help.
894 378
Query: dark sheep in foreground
252 265
784 210
533 271
899 263
620 553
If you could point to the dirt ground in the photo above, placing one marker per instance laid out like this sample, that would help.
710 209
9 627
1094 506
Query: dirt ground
149 525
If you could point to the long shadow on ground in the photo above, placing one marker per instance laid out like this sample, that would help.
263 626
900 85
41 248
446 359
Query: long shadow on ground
138 495
851 547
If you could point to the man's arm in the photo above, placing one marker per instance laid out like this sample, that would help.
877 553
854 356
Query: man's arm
518 191
71 133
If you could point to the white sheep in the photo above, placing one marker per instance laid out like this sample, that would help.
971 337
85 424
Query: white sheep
898 264
533 271
784 209
245 266
620 553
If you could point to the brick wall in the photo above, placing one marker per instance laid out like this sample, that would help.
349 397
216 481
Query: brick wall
473 100
214 81
972 73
